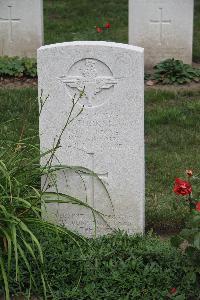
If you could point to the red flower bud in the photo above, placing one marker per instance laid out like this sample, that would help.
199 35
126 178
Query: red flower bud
99 29
107 26
182 187
198 206
173 290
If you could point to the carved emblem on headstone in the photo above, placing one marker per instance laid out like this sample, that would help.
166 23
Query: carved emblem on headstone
91 76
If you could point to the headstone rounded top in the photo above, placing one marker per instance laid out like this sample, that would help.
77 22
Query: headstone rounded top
92 43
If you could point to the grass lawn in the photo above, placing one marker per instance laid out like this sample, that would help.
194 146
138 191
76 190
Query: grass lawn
117 266
172 142
172 146
70 20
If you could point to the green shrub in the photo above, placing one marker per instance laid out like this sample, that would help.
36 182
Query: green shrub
172 71
18 67
113 267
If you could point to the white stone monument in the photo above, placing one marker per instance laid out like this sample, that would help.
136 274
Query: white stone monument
21 27
164 28
107 137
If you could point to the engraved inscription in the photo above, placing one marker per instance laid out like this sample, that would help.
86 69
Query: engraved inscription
91 76
10 20
91 187
84 223
161 22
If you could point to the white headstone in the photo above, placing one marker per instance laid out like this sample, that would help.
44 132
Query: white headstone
107 137
164 28
21 27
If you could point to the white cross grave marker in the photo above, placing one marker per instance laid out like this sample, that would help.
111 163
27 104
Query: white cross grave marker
161 22
21 27
10 20
164 28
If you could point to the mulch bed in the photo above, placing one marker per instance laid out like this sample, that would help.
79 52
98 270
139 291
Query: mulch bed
194 86
21 82
25 82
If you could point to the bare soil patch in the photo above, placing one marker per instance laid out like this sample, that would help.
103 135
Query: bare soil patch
21 82
194 86
24 82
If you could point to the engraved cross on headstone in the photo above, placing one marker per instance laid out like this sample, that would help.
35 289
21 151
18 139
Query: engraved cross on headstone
91 193
10 21
161 22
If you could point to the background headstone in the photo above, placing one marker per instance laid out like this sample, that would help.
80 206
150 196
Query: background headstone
164 28
107 137
21 27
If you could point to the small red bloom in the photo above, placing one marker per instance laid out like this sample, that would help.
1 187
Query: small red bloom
189 173
107 26
99 29
198 206
182 187
173 290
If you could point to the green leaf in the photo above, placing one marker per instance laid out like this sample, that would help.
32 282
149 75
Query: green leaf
172 71
14 241
176 241
179 297
196 242
5 278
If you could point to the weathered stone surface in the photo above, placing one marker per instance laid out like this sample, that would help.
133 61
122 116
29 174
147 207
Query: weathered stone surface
107 137
164 28
21 27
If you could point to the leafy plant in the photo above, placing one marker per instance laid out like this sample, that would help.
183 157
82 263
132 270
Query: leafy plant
102 25
147 76
171 71
189 238
116 266
30 67
20 206
19 210
18 67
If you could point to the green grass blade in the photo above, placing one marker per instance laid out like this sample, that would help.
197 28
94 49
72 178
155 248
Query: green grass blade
5 278
14 241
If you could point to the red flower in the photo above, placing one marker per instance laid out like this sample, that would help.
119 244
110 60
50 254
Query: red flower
198 206
107 26
189 173
99 29
173 290
182 187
